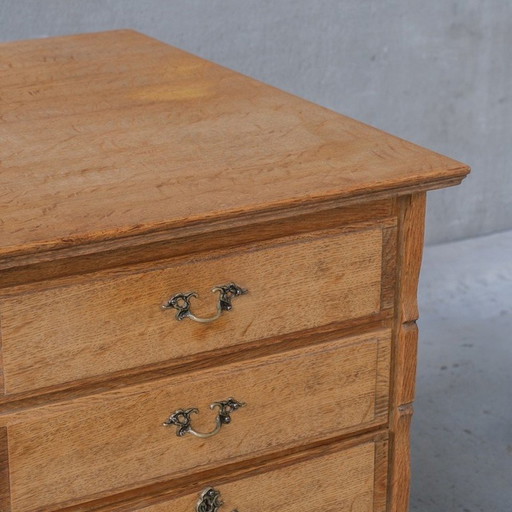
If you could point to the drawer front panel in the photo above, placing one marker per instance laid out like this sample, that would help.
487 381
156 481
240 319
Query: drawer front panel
348 479
114 323
105 443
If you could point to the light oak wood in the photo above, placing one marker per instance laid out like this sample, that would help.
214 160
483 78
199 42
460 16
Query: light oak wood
405 363
203 360
389 247
166 492
5 494
399 486
381 475
410 250
115 322
120 135
105 443
339 481
2 382
130 171
184 241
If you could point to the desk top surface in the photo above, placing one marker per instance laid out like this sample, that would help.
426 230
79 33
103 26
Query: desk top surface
112 135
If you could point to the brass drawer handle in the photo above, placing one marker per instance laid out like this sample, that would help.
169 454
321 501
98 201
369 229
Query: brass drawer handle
210 501
183 421
181 302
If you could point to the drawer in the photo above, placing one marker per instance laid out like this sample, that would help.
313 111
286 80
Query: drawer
329 479
109 442
114 322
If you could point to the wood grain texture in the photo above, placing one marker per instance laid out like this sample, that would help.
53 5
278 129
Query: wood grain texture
167 492
104 444
338 481
412 225
405 364
381 477
5 494
130 171
410 250
10 404
400 465
121 135
114 322
389 244
190 240
2 380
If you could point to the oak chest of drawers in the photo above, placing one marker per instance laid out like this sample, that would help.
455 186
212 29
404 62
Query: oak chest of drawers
207 288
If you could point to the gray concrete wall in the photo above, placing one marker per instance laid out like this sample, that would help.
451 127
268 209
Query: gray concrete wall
437 72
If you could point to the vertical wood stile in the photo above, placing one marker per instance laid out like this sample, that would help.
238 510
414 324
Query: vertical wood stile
381 476
410 247
2 378
5 499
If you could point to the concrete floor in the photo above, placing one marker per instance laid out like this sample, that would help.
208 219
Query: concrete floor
462 431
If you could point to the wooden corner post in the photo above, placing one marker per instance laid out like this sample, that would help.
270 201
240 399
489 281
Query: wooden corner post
411 222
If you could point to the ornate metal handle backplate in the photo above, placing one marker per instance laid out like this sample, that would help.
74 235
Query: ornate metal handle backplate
210 501
183 421
181 302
